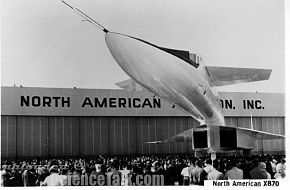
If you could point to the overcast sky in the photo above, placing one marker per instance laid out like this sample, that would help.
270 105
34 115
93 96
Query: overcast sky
45 44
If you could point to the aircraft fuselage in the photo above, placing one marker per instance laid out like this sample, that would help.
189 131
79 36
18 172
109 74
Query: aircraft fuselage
167 76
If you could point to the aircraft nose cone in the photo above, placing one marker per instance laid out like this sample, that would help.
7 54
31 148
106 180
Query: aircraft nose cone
129 54
112 40
117 43
121 49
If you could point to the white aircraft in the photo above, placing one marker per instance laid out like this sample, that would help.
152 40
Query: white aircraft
177 78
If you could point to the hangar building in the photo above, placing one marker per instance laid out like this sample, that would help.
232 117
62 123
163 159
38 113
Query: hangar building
52 122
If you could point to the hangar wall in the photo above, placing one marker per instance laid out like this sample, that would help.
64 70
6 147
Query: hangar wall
41 122
33 136
45 136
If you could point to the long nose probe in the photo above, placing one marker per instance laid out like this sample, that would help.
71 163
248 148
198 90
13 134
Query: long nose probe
87 18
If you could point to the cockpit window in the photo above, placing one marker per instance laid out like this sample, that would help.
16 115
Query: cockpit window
184 55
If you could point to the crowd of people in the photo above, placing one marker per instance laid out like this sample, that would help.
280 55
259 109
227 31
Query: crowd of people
176 170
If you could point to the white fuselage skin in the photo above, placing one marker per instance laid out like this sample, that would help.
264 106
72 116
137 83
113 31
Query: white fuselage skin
167 76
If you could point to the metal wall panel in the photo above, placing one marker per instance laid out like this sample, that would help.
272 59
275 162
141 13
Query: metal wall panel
129 135
151 135
265 127
274 125
114 137
165 134
178 129
71 136
244 122
86 147
231 121
63 136
133 135
160 128
145 133
33 136
139 136
24 135
172 132
124 135
103 138
21 135
8 136
257 125
59 136
281 130
40 128
93 135
54 136
158 133
118 135
276 129
183 127
36 136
